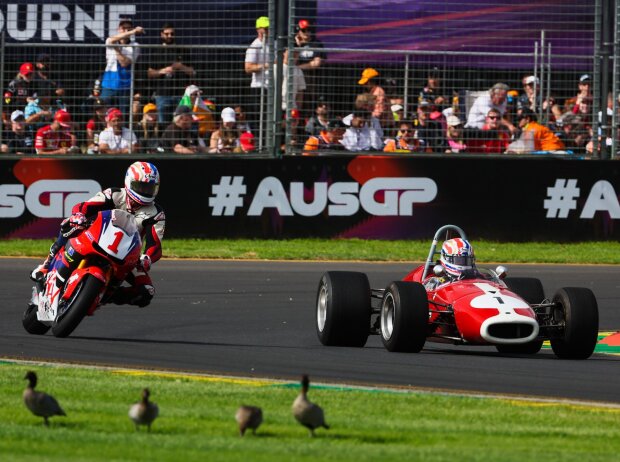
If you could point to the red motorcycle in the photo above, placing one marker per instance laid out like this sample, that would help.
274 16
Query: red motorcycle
108 249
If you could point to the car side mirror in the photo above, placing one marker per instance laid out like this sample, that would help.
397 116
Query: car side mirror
501 271
439 270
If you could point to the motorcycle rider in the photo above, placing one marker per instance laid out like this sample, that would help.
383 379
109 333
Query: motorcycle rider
138 198
458 261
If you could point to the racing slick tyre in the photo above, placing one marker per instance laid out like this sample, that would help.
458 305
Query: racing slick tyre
72 313
531 290
404 317
343 309
31 323
577 311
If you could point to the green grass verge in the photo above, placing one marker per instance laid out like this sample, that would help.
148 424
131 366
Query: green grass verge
196 423
356 249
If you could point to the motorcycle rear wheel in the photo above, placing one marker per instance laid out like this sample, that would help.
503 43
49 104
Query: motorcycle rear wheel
83 298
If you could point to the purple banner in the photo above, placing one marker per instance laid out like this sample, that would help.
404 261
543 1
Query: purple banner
465 26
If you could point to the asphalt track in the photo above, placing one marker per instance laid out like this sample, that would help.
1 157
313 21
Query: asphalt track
257 319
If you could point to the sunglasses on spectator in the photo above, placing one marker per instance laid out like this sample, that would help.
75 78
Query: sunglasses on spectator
493 117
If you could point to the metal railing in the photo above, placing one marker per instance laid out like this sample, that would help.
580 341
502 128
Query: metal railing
224 82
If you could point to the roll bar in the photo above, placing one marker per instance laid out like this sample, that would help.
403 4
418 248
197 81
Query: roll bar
430 261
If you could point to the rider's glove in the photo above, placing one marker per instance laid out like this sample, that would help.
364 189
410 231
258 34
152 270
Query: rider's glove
145 263
74 223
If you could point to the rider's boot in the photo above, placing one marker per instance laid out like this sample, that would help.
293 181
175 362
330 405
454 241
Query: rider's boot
40 271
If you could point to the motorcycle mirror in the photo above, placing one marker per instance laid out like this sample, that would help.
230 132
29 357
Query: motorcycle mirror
438 270
501 271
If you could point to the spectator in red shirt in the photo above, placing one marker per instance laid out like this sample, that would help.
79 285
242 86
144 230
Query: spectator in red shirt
495 140
55 138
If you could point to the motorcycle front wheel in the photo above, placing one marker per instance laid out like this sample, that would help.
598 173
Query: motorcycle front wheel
73 310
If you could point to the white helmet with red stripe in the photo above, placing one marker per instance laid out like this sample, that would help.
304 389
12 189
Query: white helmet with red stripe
457 255
142 182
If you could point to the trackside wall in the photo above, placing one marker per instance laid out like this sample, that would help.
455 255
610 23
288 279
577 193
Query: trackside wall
516 199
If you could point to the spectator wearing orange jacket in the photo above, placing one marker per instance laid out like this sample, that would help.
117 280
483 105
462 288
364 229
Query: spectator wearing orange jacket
544 138
327 140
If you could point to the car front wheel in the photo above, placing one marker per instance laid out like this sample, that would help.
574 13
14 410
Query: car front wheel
576 311
343 309
404 317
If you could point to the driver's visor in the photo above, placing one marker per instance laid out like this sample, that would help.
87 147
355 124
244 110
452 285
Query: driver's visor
460 260
145 189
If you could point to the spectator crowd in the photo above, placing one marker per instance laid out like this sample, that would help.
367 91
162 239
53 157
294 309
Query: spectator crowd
176 117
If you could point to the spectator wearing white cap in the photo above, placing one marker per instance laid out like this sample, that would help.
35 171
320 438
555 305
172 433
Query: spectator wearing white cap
454 135
398 115
530 97
226 138
19 139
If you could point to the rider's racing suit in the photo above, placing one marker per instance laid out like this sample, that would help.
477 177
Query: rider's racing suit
151 222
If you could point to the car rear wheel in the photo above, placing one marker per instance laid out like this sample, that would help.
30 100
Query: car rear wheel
404 317
577 311
529 289
343 309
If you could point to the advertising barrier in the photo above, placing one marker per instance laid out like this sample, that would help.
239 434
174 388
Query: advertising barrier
378 197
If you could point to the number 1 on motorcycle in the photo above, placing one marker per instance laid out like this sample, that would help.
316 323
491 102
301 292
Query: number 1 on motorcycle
117 240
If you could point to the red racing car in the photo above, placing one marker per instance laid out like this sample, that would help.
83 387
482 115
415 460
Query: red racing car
479 307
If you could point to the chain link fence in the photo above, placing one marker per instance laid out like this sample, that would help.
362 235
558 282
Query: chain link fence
272 78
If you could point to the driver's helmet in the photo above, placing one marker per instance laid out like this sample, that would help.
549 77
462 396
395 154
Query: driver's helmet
457 256
142 182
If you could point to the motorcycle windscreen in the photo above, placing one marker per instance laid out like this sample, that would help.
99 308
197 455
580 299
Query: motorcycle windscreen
119 234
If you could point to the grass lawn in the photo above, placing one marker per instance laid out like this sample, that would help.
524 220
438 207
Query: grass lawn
356 249
196 422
